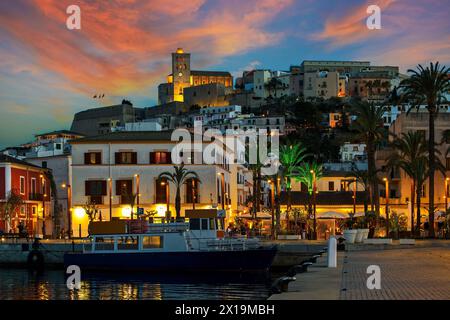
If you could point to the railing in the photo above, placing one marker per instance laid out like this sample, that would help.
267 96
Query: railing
36 196
168 227
224 244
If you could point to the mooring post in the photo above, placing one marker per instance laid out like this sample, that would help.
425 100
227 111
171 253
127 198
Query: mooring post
332 252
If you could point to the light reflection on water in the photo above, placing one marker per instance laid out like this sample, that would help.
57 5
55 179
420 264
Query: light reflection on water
22 284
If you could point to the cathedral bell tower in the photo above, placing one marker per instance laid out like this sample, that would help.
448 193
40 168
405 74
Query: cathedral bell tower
181 73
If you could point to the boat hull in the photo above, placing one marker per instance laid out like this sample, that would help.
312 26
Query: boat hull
258 259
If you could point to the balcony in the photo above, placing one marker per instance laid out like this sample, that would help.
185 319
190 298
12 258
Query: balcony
96 199
36 197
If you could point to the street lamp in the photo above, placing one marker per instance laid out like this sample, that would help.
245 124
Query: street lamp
110 198
314 205
193 193
386 182
164 183
69 208
137 193
272 200
222 191
354 196
43 203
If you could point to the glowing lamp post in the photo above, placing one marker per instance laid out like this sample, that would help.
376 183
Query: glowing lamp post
314 205
386 182
272 200
446 194
166 184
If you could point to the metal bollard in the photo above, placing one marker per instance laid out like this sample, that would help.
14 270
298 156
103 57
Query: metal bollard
332 252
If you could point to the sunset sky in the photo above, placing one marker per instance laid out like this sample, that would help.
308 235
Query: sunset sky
47 72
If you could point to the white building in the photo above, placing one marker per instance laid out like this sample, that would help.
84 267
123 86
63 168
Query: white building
394 111
353 152
107 168
324 84
250 122
52 150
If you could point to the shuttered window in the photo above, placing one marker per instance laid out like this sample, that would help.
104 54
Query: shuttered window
160 157
92 158
126 158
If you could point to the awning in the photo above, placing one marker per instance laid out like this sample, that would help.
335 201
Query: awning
337 215
259 215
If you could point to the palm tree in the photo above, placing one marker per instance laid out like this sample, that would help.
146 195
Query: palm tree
291 155
255 168
178 178
369 125
428 86
274 180
309 174
411 151
361 177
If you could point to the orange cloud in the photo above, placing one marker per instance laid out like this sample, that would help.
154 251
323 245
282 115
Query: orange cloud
408 52
124 45
352 27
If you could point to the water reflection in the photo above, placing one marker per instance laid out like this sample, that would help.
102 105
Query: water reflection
21 284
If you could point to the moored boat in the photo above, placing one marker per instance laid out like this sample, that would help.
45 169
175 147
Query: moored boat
199 245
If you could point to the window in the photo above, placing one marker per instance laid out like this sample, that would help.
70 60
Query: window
160 157
126 157
194 224
104 243
22 185
192 191
33 186
44 164
95 189
92 158
58 146
204 224
161 186
330 185
152 242
128 243
446 135
124 189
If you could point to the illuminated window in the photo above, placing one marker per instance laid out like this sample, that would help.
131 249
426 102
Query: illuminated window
126 157
93 158
160 157
330 185
152 242
161 186
128 243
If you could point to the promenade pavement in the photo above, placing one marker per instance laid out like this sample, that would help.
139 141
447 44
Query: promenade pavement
412 273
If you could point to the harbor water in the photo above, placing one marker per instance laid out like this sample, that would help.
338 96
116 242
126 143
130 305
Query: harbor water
21 284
